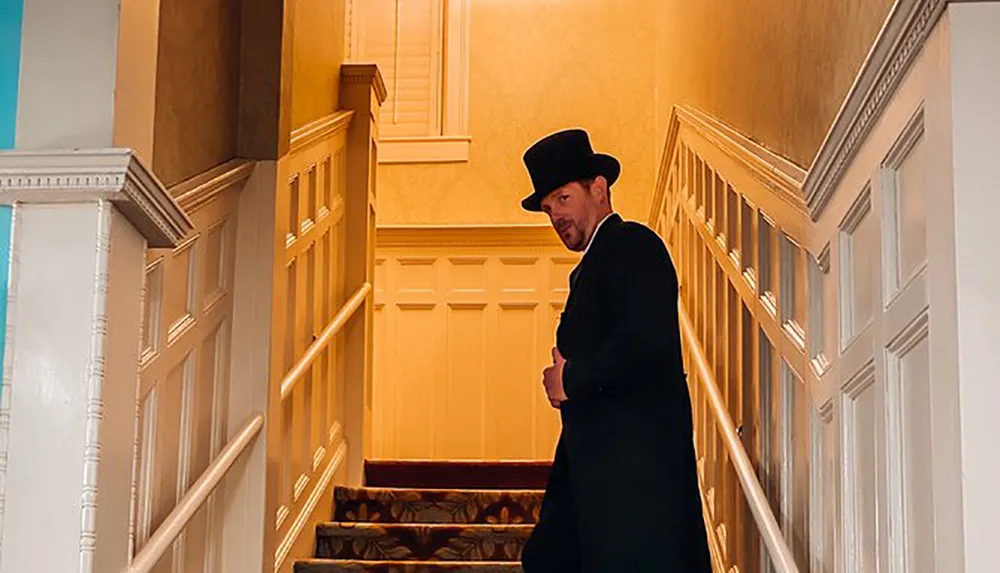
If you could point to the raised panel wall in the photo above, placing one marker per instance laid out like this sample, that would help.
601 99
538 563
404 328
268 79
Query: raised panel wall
184 376
309 291
465 321
839 414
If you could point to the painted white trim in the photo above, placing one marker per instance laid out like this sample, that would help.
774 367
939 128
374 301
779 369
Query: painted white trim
447 138
715 548
352 26
779 178
95 387
850 332
281 552
457 46
76 176
973 76
849 473
245 492
200 190
8 364
896 454
442 149
818 520
86 338
894 282
320 130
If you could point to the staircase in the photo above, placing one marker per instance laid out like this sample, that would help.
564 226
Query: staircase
417 517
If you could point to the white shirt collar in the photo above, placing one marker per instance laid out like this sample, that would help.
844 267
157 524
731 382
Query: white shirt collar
596 229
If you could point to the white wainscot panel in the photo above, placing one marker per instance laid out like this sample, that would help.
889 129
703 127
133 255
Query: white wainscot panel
859 252
904 182
862 407
908 366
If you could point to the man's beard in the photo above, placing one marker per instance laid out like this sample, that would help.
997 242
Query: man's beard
572 236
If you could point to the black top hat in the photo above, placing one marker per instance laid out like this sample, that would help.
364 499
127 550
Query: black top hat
561 158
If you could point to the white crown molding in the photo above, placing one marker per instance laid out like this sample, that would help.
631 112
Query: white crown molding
899 42
75 176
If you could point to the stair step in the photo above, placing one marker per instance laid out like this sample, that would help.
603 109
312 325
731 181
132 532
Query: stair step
351 566
426 542
415 506
457 475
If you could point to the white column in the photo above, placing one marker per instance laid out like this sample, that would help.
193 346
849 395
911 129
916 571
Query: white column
82 223
975 92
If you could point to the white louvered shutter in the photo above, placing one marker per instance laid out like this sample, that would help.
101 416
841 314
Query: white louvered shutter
405 38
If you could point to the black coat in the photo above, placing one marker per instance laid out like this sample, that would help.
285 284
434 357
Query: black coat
623 494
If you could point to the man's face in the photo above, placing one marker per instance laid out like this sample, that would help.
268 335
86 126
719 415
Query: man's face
575 209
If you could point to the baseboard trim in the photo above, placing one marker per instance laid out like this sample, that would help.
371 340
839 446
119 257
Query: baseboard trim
285 547
718 566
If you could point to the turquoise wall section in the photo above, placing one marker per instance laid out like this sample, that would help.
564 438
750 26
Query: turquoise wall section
11 16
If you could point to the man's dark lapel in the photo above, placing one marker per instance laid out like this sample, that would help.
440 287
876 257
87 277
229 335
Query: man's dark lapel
607 229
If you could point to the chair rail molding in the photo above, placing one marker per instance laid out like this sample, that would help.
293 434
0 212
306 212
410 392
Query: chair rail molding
466 236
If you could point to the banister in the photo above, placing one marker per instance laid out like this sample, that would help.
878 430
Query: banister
195 498
311 353
781 554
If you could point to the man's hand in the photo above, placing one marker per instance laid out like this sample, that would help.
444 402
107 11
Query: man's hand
552 379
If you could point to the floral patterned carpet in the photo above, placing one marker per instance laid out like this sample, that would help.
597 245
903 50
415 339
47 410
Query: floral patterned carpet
399 530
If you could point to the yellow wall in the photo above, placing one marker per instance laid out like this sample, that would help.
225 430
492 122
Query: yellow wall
197 88
199 76
539 66
454 354
776 70
317 52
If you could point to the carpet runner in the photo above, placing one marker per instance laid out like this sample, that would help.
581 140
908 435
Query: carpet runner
429 529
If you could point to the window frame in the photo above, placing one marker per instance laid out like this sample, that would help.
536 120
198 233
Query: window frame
453 142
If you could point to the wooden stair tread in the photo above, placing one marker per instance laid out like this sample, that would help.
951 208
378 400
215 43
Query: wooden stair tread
457 475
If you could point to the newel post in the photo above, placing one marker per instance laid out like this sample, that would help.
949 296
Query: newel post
363 91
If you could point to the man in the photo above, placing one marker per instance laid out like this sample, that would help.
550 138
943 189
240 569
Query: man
623 494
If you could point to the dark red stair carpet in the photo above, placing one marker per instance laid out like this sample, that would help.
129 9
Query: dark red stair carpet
415 517
323 566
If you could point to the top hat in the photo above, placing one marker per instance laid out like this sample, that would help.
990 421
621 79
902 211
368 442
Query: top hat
561 158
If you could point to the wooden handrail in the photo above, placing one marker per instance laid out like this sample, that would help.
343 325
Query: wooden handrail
195 498
767 524
338 322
